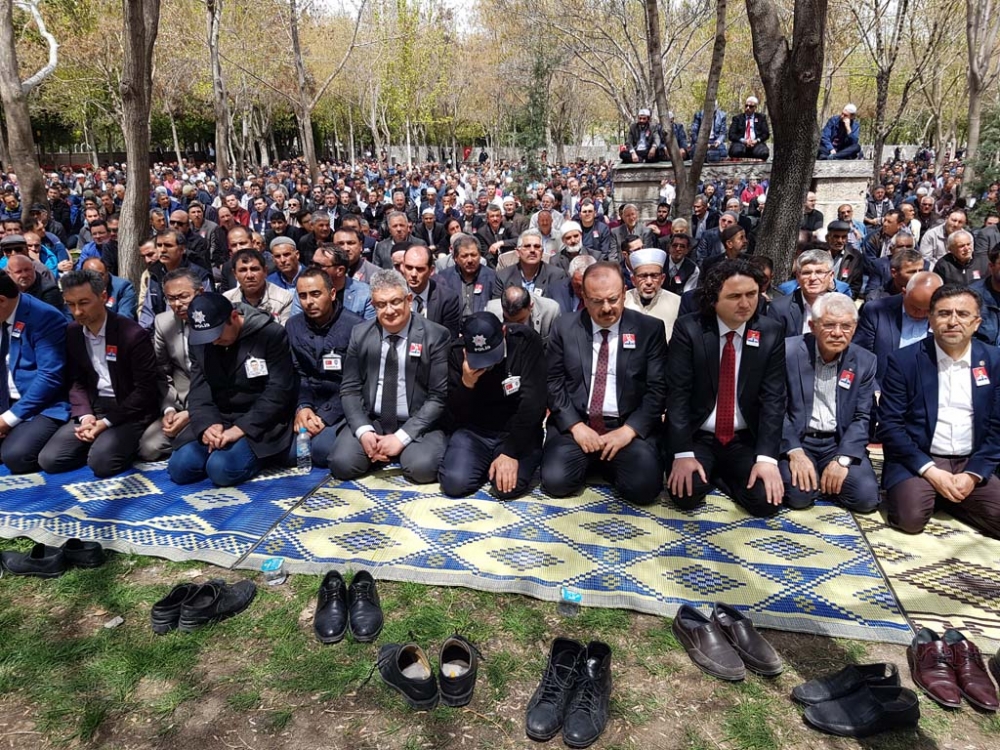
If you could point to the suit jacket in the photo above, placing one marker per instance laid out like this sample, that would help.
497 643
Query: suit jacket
854 402
695 350
738 128
426 375
790 312
37 360
597 239
708 246
640 374
620 232
382 254
544 313
133 372
172 361
880 328
547 278
358 298
852 270
908 411
986 239
437 237
486 237
452 278
443 307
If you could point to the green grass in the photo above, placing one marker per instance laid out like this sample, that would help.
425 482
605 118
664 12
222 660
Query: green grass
748 723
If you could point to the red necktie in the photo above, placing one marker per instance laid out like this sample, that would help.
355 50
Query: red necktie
596 411
725 412
749 120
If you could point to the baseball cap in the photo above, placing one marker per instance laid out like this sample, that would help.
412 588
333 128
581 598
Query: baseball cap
482 336
208 314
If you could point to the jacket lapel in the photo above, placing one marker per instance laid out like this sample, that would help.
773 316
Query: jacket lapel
711 343
621 368
585 342
981 394
111 339
416 336
14 342
371 361
927 382
807 378
845 404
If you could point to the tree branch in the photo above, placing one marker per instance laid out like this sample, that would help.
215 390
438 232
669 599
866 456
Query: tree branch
31 6
343 60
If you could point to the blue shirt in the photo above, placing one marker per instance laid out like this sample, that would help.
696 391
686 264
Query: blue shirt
913 331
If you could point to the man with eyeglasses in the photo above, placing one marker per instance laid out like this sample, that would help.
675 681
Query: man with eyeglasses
748 133
596 235
939 421
353 295
542 279
814 274
831 387
682 273
648 296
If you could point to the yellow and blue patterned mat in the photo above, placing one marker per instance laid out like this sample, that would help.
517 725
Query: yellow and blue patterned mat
809 571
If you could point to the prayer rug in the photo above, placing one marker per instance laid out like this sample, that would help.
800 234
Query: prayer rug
808 571
143 512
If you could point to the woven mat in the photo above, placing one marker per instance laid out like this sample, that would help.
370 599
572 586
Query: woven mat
807 571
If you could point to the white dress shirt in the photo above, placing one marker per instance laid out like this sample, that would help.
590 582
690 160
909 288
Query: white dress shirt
97 348
610 408
953 431
8 416
402 411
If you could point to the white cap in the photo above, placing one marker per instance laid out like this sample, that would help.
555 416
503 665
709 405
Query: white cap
644 112
762 199
509 199
647 256
850 109
753 100
570 226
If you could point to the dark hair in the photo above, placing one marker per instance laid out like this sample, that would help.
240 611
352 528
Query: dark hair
761 262
912 255
74 279
317 273
350 220
98 223
897 213
356 232
182 273
679 236
8 287
277 216
718 276
465 240
955 290
249 253
630 238
515 299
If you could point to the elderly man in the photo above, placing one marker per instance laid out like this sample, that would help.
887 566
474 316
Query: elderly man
812 218
642 144
253 288
648 296
710 243
432 232
934 243
287 266
831 389
545 279
841 135
734 243
939 421
121 293
814 274
494 235
469 277
571 246
717 133
629 226
682 272
748 133
22 270
353 295
961 266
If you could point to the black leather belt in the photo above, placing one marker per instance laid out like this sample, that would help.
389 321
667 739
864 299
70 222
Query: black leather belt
820 435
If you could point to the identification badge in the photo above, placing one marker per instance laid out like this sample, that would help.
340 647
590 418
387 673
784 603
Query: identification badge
678 279
511 385
18 329
111 353
982 378
477 289
110 303
416 350
975 274
753 337
628 341
846 379
596 233
537 292
332 363
255 367
845 272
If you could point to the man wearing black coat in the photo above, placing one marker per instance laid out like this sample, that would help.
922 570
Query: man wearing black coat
748 133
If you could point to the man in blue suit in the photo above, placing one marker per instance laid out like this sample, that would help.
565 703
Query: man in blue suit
831 385
121 293
33 358
939 421
841 136
355 296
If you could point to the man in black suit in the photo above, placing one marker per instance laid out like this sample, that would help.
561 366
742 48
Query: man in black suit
725 429
437 302
748 133
394 388
432 232
495 235
814 274
606 393
399 231
848 263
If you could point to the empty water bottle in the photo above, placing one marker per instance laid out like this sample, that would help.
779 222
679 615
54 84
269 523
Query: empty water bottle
303 451
569 602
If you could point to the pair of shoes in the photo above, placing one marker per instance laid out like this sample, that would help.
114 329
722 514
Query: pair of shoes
51 562
339 608
949 667
574 694
189 606
858 701
848 680
406 669
725 645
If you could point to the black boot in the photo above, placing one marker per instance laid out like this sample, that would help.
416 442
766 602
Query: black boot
587 713
548 705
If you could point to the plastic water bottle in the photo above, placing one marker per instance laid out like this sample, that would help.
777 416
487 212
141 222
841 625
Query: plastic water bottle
303 452
274 571
569 602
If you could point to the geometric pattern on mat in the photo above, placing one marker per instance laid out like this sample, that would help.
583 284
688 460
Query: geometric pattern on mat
946 577
142 511
808 571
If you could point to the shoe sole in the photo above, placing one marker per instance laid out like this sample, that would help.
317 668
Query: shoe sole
706 670
162 627
457 701
926 691
36 575
977 704
579 746
542 737
331 640
190 627
367 638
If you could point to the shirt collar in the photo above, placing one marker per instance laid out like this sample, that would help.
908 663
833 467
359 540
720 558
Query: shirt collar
402 334
13 313
724 329
99 335
945 359
612 330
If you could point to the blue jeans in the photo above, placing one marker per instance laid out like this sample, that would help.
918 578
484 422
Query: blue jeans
234 464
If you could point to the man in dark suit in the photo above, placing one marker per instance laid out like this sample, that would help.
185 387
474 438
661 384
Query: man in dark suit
431 232
939 421
437 302
243 391
469 277
606 393
726 401
748 133
33 359
114 392
542 279
814 273
495 236
987 238
890 275
394 388
399 231
831 388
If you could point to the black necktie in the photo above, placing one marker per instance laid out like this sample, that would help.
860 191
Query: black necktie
4 349
388 413
419 304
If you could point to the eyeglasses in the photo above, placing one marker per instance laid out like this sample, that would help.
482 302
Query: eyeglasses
532 247
814 274
175 223
185 297
831 327
323 266
395 302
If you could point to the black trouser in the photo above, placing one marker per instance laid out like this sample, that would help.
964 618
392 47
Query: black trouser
111 453
466 464
739 150
19 450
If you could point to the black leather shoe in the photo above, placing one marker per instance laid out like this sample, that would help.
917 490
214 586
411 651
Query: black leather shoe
757 654
330 620
407 670
707 645
457 667
166 613
587 714
866 711
547 706
82 554
365 613
42 562
215 601
848 680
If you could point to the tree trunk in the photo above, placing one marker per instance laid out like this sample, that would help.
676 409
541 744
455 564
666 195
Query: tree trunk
141 20
177 143
23 159
220 102
4 152
791 72
880 130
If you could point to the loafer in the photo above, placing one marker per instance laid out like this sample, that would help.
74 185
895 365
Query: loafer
757 654
213 602
406 669
166 613
364 611
587 713
42 562
547 707
930 666
707 645
82 554
866 711
970 672
457 670
330 620
846 681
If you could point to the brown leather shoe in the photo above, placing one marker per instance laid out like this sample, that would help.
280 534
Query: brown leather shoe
757 654
707 645
930 666
970 672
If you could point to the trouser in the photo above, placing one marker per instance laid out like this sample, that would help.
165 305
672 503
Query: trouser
19 450
739 150
848 152
226 467
155 446
859 492
646 156
111 453
320 446
419 460
716 153
912 502
466 464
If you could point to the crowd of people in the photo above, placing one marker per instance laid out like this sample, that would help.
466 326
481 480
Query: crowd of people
437 319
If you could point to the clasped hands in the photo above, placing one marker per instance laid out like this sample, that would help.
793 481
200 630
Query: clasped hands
607 444
89 428
380 448
952 487
218 437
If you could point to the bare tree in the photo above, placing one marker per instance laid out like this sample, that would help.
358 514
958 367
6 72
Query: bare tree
140 24
220 101
792 71
982 28
14 95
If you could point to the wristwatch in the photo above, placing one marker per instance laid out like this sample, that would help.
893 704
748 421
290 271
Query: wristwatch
844 461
